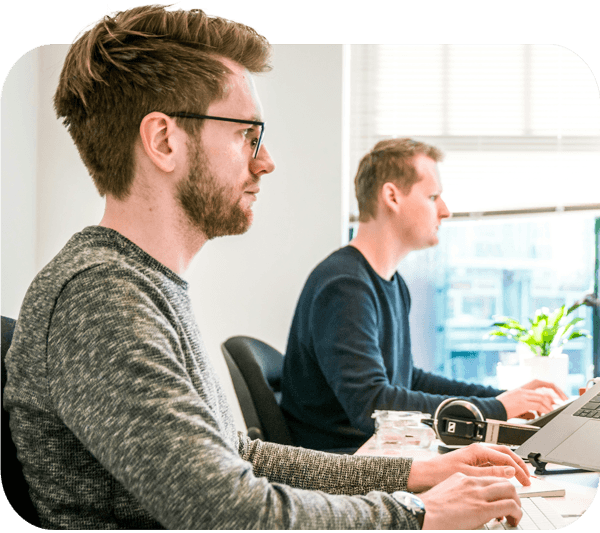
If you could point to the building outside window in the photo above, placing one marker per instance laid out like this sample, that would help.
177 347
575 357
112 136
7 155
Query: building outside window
520 128
505 267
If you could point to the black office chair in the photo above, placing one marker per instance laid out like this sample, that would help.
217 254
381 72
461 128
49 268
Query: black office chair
255 369
13 481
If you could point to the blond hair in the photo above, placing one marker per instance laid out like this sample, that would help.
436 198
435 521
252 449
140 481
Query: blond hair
390 160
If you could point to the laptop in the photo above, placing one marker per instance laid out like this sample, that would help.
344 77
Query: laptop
572 437
542 420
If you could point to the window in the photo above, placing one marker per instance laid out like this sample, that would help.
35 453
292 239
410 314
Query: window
520 129
474 283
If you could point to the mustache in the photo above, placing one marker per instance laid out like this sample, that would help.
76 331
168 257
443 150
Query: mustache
254 179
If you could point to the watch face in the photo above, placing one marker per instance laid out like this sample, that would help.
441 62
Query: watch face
413 504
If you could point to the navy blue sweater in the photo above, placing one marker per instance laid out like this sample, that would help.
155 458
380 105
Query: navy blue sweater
349 353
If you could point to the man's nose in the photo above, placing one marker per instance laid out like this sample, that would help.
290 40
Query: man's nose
263 163
443 211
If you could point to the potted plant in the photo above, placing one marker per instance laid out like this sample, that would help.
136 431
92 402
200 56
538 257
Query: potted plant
544 336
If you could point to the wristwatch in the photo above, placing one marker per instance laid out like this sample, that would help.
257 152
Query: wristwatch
413 504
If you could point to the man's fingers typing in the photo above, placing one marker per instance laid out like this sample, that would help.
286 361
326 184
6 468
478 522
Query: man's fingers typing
508 509
469 502
497 458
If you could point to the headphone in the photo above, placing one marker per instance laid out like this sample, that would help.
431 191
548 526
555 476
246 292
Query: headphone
460 422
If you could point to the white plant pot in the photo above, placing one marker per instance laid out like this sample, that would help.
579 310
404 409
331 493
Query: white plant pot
553 368
511 376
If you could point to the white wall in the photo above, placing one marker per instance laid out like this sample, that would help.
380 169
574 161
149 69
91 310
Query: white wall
47 194
239 285
66 197
19 147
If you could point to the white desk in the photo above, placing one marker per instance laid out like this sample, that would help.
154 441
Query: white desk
580 488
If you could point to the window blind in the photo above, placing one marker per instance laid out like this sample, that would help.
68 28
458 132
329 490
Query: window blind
519 124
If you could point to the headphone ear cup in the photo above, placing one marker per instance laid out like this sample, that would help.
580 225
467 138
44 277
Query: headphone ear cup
458 409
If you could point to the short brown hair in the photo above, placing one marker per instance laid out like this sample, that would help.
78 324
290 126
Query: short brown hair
390 160
142 60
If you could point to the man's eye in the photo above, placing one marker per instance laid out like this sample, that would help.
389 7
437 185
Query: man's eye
251 135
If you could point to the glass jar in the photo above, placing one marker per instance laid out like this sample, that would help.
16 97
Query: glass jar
402 429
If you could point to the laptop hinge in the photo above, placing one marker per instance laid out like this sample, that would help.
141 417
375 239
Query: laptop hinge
540 466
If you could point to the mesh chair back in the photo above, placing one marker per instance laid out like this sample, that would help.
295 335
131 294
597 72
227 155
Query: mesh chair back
13 480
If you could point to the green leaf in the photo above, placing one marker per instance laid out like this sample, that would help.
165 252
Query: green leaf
555 316
546 332
575 321
577 334
574 306
508 322
538 331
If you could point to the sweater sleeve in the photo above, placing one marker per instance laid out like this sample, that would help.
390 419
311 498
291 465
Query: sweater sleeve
331 473
120 382
347 346
483 397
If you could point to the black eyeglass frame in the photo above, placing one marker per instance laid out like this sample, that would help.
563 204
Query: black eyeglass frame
185 114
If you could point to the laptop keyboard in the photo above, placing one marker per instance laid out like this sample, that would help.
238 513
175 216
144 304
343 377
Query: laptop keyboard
538 513
591 409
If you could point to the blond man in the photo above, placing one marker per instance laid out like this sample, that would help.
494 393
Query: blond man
349 346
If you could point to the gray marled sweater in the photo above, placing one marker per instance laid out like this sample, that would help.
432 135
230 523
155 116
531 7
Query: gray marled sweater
120 421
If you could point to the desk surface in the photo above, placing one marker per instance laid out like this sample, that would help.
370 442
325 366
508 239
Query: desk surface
580 488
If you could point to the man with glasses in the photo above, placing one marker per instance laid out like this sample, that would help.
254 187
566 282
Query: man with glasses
116 411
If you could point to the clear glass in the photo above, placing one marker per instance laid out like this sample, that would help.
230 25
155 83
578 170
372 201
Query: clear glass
402 429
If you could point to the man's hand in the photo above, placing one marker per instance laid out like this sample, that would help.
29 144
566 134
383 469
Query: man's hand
465 502
538 396
476 460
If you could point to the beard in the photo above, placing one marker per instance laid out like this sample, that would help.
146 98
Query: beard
208 206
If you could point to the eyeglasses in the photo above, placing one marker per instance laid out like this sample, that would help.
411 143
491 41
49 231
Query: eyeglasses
184 114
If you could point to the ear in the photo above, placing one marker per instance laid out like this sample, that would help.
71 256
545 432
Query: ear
391 196
162 140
